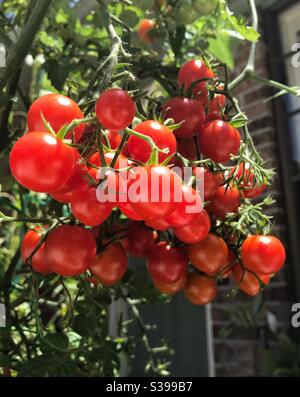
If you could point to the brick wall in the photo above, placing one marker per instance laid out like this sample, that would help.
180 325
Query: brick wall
241 352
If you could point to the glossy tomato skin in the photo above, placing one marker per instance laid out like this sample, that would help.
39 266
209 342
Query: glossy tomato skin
200 289
263 254
195 231
70 250
245 177
41 162
166 264
173 288
211 180
218 103
121 162
218 140
110 265
161 135
114 139
30 242
213 116
128 211
58 110
115 109
141 239
225 201
248 282
187 209
158 224
187 148
209 255
187 111
144 29
64 198
151 191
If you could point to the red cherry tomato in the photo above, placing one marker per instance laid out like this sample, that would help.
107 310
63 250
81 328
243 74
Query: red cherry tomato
195 231
152 191
212 116
141 239
58 110
211 180
263 254
225 202
245 177
115 109
121 162
218 103
70 250
209 255
173 288
40 162
30 241
200 289
227 269
188 111
166 264
248 282
187 148
114 139
145 28
163 137
64 198
158 224
110 265
218 140
127 210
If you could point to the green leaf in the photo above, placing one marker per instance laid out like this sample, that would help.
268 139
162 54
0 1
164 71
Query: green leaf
57 341
61 17
221 48
84 325
58 72
129 17
5 361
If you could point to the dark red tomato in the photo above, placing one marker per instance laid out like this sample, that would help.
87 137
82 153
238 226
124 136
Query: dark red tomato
158 224
110 265
141 239
189 205
263 254
40 162
200 289
152 191
226 271
30 241
85 205
173 288
188 111
64 198
246 180
70 250
166 264
218 140
128 211
162 136
218 103
114 139
187 148
211 181
58 110
195 231
112 187
212 116
209 255
248 282
192 71
115 109
145 28
121 162
225 201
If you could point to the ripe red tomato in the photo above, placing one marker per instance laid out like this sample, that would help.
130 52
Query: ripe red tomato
225 202
121 162
40 162
114 139
218 103
227 269
245 177
218 140
58 110
163 137
110 265
115 109
192 71
187 148
263 254
85 205
209 255
166 264
211 181
212 116
188 111
152 191
70 250
195 231
64 198
144 29
173 288
200 289
29 243
127 210
141 239
188 207
248 282
158 224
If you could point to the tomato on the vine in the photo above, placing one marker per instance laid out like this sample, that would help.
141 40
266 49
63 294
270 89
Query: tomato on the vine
166 264
113 137
200 289
30 242
58 110
41 162
141 239
209 255
158 224
115 109
121 163
162 136
226 200
247 281
195 231
173 288
110 265
218 103
263 254
70 250
211 181
246 180
145 28
64 198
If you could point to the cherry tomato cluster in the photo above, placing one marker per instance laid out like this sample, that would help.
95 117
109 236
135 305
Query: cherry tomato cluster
94 165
